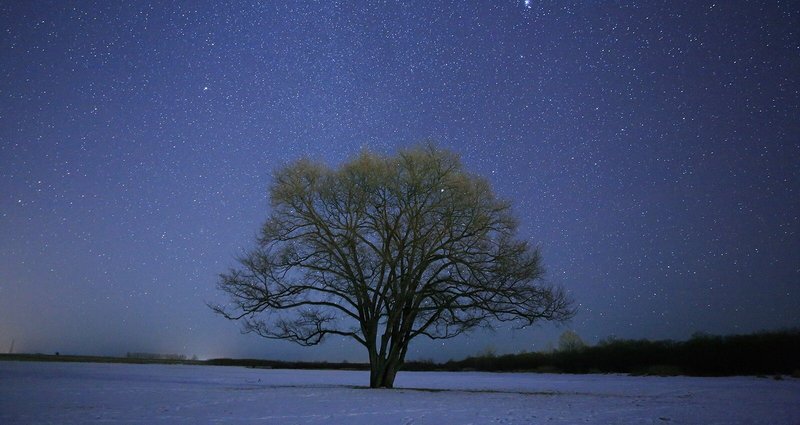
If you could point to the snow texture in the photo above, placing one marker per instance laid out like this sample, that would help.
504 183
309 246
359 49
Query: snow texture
68 393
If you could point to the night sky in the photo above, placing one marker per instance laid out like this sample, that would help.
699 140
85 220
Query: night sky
651 150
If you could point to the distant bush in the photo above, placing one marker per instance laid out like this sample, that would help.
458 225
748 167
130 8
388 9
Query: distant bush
547 369
659 370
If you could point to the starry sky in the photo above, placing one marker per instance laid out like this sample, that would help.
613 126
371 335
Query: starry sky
650 149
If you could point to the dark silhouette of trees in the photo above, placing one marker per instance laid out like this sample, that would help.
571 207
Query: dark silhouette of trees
763 353
383 250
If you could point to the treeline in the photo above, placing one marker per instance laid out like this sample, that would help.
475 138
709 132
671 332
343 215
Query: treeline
765 353
158 356
39 357
279 364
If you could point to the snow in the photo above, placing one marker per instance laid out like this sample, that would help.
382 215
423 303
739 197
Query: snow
90 392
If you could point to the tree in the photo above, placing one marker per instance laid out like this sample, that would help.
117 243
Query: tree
570 341
383 250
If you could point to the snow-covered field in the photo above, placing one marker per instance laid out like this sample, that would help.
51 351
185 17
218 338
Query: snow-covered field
87 393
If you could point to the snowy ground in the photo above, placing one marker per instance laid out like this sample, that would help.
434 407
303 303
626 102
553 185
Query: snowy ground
87 393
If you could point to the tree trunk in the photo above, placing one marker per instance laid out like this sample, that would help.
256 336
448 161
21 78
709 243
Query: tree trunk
376 372
389 374
382 371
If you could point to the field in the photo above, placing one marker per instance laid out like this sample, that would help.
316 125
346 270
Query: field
37 392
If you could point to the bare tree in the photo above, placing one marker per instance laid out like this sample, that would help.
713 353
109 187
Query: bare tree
383 250
570 341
